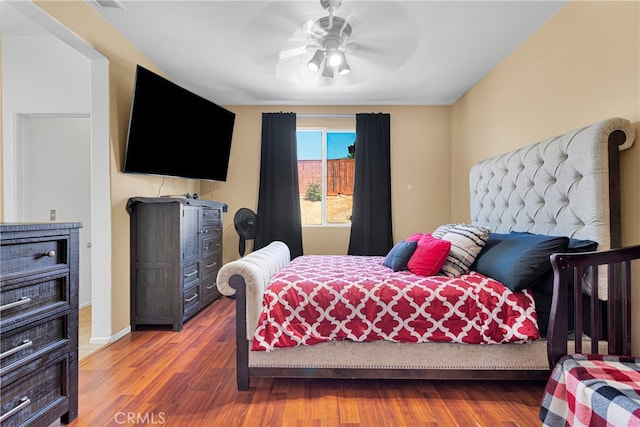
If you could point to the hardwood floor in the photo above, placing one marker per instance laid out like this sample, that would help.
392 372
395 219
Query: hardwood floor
165 378
85 348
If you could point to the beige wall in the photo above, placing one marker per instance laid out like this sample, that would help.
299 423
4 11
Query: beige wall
419 172
581 67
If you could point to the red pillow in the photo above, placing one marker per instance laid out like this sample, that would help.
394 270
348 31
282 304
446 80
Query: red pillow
429 256
414 237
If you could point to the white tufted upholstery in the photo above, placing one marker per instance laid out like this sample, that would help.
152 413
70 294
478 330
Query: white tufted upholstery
559 186
256 269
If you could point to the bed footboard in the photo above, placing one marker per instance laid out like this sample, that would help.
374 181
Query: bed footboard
608 320
246 279
242 344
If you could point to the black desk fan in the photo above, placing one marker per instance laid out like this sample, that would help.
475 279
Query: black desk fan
246 223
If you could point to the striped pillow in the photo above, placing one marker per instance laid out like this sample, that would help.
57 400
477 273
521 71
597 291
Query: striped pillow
467 240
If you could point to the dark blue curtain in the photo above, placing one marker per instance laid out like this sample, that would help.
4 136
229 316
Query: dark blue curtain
371 230
279 199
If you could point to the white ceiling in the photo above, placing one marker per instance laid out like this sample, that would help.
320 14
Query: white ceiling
400 52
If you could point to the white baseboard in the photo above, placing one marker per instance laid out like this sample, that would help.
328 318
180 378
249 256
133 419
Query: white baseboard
112 338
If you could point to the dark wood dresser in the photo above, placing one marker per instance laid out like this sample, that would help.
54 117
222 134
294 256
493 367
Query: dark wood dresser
39 323
176 252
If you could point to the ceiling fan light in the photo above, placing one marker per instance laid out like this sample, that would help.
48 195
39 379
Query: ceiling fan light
327 72
336 58
314 63
344 68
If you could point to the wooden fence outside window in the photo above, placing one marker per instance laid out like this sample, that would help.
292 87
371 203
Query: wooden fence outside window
340 173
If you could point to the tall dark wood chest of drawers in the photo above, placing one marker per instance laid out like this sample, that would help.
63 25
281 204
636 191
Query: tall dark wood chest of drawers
39 323
176 252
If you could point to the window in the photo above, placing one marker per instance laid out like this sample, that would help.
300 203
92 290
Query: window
326 167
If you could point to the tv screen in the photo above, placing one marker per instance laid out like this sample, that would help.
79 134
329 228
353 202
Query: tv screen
175 132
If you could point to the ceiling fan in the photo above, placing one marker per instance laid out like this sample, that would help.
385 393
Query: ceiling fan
327 37
296 41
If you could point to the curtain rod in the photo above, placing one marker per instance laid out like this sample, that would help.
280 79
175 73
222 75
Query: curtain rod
326 116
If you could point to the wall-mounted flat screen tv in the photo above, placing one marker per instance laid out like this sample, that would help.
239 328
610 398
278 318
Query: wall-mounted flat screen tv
175 132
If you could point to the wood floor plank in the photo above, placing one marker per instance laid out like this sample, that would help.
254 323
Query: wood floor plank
183 379
407 401
349 414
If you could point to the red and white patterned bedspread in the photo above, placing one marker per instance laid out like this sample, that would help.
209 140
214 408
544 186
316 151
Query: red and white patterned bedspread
340 297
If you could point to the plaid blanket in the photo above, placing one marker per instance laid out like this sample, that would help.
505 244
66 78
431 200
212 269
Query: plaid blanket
593 390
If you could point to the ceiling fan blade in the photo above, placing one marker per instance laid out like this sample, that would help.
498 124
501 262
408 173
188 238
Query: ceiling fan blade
291 52
378 43
278 24
349 18
302 33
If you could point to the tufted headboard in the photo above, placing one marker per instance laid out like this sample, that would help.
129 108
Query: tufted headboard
568 185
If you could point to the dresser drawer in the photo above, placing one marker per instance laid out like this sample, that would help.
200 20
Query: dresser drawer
192 297
210 215
210 247
211 231
210 223
24 257
25 343
31 395
35 295
191 273
209 289
210 266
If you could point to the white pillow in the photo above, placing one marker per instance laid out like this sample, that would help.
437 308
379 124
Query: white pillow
467 240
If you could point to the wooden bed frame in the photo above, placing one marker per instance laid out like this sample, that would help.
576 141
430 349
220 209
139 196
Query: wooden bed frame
581 166
609 321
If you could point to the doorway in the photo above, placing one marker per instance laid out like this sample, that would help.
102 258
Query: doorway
19 117
56 185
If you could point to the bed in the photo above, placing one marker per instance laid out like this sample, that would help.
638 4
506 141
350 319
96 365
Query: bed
564 187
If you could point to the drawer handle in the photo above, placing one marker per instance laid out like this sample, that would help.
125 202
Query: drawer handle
25 344
191 274
192 298
50 254
204 231
211 287
212 264
24 402
21 301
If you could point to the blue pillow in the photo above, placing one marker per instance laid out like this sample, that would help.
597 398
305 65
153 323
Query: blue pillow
578 245
399 255
518 260
575 246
